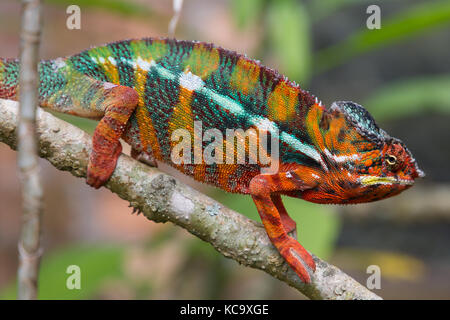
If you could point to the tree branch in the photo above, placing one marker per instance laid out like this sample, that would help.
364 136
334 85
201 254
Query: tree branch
161 198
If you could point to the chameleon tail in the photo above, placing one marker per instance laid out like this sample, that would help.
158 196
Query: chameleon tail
9 78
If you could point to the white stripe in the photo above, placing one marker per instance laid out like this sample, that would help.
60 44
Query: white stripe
166 74
264 124
235 108
224 101
340 159
303 148
191 81
144 64
112 60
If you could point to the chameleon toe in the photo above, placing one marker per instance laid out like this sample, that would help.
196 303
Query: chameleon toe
299 259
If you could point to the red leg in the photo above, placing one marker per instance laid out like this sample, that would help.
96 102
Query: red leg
288 223
119 104
263 189
88 97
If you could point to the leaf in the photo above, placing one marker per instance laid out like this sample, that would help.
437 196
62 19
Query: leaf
413 96
97 264
289 38
407 24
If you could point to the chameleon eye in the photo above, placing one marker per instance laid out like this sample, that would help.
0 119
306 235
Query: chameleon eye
391 160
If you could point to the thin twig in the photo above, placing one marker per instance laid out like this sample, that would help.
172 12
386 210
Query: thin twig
162 198
177 6
29 243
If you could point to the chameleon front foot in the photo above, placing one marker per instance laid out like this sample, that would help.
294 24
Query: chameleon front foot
298 258
265 191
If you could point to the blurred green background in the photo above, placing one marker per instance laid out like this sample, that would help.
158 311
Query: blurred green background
400 73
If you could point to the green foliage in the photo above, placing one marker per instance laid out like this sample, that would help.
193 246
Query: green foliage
412 96
87 125
97 264
321 9
247 12
317 225
289 38
287 33
410 23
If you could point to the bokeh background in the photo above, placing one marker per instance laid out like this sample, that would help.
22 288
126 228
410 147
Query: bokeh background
401 73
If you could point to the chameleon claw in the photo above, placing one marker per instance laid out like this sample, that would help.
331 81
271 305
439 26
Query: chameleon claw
298 258
136 210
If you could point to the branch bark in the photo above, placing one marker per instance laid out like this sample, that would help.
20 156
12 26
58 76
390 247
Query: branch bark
29 243
161 198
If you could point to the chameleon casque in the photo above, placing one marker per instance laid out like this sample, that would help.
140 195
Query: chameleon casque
143 90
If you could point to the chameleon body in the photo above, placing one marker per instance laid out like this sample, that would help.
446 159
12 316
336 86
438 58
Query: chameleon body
144 90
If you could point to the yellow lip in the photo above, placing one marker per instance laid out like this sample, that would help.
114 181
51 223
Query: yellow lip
371 180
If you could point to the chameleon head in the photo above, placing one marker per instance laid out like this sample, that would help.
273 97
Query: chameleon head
361 162
391 171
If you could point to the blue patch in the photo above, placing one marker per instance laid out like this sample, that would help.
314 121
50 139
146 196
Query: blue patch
360 118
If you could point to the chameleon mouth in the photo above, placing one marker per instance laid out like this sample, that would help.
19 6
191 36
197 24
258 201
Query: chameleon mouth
373 180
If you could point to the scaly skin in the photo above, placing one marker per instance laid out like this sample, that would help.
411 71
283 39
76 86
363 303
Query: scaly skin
144 90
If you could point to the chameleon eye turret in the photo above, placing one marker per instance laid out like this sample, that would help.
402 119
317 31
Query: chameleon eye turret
391 160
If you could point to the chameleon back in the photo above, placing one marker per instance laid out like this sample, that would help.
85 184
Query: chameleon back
179 82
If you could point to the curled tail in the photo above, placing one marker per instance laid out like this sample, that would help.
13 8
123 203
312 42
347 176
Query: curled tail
9 78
